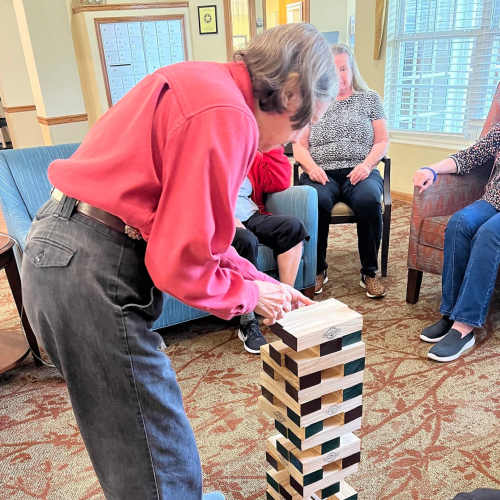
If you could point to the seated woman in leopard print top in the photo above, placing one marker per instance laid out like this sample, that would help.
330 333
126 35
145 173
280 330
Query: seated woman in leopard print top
471 250
339 156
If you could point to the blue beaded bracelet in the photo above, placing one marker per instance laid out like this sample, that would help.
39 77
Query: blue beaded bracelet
434 173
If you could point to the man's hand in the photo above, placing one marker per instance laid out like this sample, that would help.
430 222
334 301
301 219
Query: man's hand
274 301
423 179
317 174
238 223
359 173
298 299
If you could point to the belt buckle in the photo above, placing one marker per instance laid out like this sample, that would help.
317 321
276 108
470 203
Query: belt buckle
132 232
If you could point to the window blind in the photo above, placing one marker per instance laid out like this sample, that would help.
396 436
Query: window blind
442 64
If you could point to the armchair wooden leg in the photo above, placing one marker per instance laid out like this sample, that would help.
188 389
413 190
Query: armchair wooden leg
386 232
309 292
15 285
413 285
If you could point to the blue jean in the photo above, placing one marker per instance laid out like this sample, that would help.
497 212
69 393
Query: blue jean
471 259
92 303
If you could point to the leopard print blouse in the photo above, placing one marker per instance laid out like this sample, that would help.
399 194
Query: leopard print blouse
343 137
484 153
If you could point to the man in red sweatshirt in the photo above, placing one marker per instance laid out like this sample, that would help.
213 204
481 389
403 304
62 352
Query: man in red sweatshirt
146 204
284 234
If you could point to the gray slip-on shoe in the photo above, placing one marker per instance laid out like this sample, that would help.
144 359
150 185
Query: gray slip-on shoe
451 346
435 332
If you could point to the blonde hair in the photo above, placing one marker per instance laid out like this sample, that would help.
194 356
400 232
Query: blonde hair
358 83
290 50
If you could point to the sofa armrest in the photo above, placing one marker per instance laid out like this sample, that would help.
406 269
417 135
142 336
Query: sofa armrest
14 210
301 202
446 196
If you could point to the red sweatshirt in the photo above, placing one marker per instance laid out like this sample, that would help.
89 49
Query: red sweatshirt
168 159
270 172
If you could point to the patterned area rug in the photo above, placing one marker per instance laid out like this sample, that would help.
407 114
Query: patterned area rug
429 430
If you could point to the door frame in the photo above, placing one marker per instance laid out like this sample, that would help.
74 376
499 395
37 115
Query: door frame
228 21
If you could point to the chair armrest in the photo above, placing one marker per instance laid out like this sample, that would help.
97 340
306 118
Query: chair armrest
446 196
296 167
14 210
387 181
301 202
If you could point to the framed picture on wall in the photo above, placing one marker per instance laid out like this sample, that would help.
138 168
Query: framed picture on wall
207 19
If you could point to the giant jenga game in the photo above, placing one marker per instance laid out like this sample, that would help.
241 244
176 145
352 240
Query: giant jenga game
312 381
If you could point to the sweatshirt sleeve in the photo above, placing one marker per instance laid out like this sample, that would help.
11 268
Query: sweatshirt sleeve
232 260
271 171
188 253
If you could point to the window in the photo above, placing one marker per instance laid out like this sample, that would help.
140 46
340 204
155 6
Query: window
443 65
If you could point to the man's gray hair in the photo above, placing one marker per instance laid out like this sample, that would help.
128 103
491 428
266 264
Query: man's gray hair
358 83
287 50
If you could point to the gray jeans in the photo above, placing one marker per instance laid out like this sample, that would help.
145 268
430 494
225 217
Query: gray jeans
91 303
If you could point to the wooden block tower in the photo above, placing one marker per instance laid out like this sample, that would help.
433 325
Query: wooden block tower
312 380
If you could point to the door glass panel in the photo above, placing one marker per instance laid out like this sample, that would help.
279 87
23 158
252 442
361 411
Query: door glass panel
241 23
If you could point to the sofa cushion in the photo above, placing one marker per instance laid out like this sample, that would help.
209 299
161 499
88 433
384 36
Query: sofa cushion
432 231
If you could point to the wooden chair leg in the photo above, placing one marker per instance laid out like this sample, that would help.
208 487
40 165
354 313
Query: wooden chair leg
386 232
413 285
15 285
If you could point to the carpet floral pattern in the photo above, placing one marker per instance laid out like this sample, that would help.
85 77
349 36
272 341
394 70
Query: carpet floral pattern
429 430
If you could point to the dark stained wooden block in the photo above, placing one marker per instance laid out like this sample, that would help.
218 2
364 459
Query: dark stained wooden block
267 369
330 347
353 459
268 395
352 392
271 461
353 414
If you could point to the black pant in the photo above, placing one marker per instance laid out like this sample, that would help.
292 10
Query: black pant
278 232
364 200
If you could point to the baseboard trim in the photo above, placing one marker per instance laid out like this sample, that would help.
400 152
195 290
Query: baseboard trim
400 196
19 109
58 120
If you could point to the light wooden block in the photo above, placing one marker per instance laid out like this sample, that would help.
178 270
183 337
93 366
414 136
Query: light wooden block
310 361
285 483
350 410
331 474
273 457
322 432
319 409
279 486
346 492
341 364
322 324
308 461
333 381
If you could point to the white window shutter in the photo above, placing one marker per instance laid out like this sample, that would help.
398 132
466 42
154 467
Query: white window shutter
442 65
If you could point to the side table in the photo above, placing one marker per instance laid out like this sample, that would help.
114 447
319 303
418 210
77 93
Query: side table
13 347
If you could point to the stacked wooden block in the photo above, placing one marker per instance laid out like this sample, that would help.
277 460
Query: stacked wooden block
311 382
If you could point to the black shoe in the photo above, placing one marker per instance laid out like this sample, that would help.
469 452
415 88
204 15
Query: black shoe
437 331
451 346
251 336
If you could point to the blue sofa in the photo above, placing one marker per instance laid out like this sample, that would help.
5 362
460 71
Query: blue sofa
25 187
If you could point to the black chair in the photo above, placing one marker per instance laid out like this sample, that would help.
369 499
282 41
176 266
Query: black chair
342 213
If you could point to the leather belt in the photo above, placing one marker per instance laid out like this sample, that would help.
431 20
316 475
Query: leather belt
101 216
